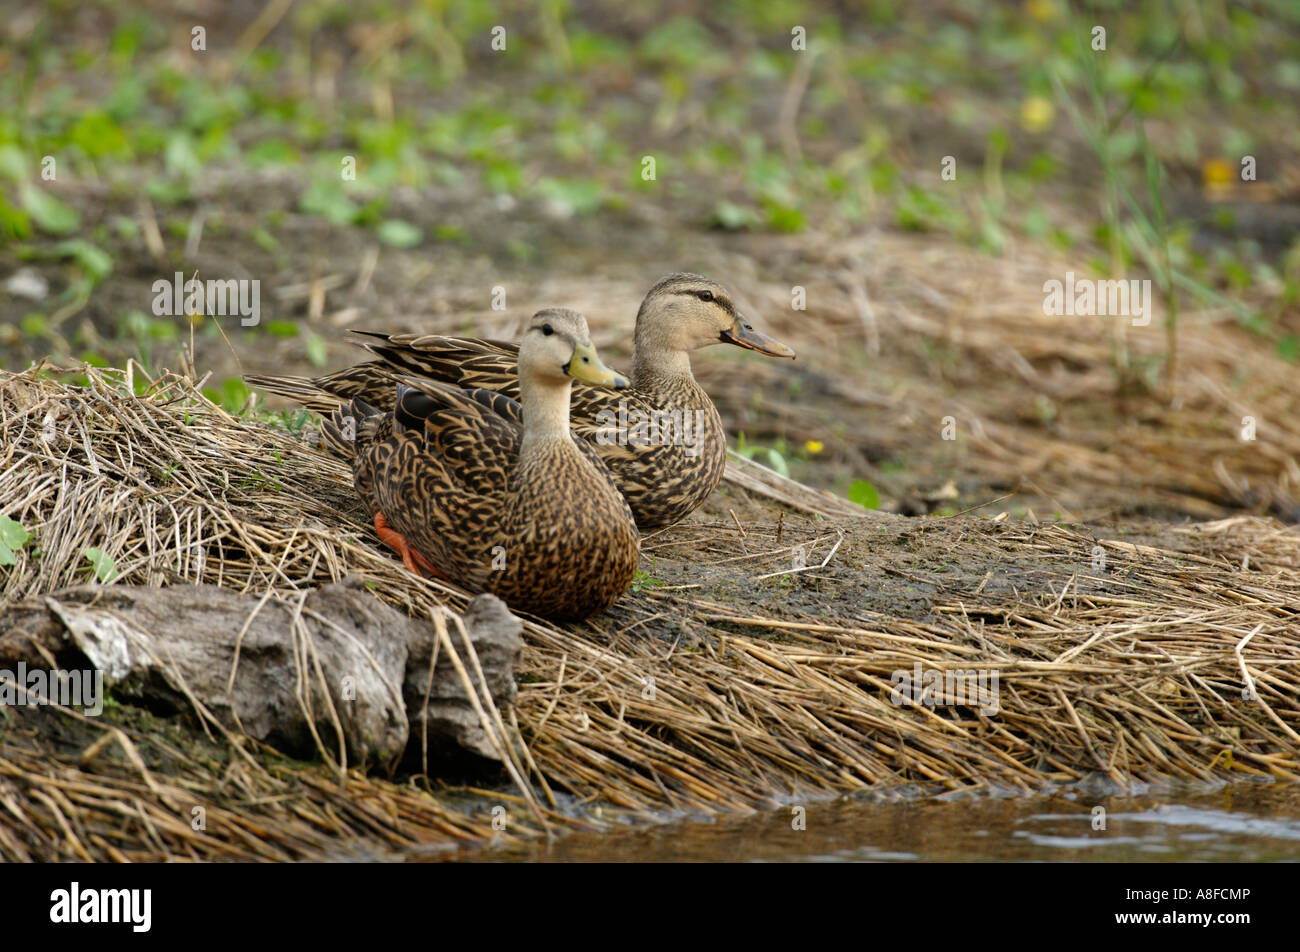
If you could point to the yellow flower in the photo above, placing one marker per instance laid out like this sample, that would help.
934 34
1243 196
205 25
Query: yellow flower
1216 173
1036 113
1044 11
814 447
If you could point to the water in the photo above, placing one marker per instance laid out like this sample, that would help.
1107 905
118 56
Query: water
1241 823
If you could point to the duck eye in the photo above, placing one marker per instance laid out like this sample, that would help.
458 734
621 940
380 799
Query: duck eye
548 330
705 295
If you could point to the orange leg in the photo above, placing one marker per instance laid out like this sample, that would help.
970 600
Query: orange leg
412 558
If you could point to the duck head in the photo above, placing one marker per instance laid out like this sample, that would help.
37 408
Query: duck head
685 312
556 349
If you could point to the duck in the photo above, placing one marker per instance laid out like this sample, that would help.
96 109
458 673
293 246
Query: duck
661 437
495 494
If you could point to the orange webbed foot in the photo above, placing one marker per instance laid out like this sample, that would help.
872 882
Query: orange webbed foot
412 558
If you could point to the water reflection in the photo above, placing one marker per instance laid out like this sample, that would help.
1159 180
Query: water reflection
1252 823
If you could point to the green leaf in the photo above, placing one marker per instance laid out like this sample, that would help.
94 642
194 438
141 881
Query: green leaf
12 533
272 152
784 217
1035 223
576 196
180 156
126 228
265 240
99 136
12 538
864 494
50 214
13 162
168 192
681 40
503 175
105 568
282 328
94 261
371 212
398 233
232 395
644 580
316 350
733 217
14 222
326 198
777 462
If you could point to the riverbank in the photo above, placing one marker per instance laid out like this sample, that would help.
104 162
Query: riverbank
763 657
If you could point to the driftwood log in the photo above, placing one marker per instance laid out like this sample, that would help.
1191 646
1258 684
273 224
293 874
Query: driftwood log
297 673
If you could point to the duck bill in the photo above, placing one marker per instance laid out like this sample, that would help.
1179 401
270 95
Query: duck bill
586 366
742 334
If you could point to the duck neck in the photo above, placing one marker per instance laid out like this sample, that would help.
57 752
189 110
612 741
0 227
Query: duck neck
546 413
653 366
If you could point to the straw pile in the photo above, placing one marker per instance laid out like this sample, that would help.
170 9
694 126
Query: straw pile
733 678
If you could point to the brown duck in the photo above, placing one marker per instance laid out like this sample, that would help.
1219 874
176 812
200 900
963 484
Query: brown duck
662 438
496 495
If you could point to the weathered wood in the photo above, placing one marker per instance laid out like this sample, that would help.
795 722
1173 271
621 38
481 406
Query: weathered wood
495 635
338 654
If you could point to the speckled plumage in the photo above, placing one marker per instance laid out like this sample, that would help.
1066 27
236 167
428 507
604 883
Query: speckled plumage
494 494
663 479
447 472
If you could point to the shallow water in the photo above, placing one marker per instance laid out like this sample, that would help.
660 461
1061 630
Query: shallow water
1240 823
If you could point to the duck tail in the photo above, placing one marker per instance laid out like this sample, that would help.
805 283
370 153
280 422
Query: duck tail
348 425
302 390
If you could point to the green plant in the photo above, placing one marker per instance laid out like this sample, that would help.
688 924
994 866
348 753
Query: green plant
643 580
775 460
102 566
864 494
12 538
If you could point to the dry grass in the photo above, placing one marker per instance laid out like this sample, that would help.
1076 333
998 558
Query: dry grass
903 331
1131 673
